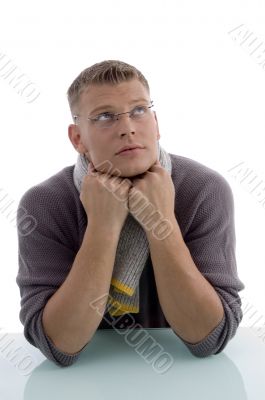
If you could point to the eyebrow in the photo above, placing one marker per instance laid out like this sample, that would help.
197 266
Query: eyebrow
109 107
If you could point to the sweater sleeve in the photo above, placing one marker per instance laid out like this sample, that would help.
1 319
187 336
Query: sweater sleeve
44 260
211 242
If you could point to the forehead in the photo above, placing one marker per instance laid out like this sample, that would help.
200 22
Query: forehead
95 96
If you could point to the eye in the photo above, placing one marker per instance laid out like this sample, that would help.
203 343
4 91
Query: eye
139 110
104 117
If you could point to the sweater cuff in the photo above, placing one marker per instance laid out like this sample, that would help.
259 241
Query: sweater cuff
61 358
211 344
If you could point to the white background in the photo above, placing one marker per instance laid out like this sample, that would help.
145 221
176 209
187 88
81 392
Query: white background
208 92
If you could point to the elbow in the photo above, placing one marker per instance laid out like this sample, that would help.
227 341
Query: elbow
35 334
204 352
217 340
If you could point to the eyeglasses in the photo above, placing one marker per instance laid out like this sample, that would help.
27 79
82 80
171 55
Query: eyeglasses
108 120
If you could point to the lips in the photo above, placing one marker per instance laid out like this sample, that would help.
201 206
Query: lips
135 146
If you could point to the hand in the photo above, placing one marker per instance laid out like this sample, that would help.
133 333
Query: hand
156 189
105 198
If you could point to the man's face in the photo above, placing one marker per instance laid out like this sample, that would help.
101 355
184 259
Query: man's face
101 144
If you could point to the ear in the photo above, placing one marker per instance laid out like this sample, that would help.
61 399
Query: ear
74 135
158 133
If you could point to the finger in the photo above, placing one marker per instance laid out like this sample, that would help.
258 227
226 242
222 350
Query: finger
156 164
91 169
92 165
136 181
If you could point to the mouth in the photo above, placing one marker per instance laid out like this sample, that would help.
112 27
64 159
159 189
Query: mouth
127 152
130 146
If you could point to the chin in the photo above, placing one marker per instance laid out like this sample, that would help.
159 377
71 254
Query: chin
132 168
132 172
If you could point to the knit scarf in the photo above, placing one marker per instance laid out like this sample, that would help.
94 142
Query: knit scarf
132 250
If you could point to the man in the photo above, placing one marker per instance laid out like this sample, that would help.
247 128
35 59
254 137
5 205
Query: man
95 247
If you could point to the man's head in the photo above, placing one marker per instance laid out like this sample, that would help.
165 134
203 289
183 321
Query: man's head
112 87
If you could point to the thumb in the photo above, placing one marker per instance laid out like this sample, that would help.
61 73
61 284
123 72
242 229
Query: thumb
91 169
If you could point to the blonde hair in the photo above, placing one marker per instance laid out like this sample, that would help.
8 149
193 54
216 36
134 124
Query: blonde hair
109 71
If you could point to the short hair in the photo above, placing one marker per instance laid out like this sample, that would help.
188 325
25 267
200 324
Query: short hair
109 71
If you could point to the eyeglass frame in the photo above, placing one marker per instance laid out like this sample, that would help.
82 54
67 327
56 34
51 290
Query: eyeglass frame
114 114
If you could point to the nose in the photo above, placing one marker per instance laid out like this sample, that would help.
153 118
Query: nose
124 124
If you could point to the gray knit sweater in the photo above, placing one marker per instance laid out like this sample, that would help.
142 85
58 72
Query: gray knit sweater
204 210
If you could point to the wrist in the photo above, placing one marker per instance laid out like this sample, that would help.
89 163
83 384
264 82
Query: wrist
166 228
106 231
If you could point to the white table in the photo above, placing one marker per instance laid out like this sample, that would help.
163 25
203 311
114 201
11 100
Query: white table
112 366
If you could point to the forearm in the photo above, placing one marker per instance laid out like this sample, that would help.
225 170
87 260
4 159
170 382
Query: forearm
190 304
68 318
